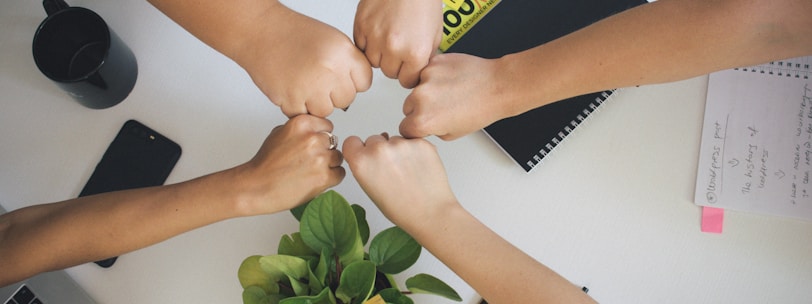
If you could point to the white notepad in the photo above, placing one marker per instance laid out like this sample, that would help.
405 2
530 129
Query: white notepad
756 150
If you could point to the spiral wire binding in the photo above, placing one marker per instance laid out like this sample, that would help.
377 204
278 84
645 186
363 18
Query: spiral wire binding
579 120
799 67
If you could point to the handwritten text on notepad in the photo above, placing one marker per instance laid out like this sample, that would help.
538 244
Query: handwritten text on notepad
756 152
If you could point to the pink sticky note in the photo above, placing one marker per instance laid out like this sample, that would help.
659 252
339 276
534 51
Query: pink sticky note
712 219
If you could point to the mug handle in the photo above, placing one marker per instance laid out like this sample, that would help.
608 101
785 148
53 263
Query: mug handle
53 6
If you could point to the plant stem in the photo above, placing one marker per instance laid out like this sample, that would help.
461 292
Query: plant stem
286 288
339 269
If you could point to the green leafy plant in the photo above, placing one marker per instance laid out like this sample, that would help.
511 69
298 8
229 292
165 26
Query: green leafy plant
325 262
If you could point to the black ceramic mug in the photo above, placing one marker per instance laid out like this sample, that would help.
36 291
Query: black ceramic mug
76 49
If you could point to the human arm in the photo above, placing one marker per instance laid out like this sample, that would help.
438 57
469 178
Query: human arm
406 180
663 41
301 64
399 36
292 166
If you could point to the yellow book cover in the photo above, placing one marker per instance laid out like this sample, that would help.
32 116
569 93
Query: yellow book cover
454 4
456 22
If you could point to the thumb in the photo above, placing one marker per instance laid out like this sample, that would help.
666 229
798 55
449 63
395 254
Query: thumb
410 128
351 147
360 71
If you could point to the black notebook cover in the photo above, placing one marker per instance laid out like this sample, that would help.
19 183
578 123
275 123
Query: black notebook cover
516 25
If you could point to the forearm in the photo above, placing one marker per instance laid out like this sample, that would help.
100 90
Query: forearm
499 271
659 42
59 235
291 167
226 26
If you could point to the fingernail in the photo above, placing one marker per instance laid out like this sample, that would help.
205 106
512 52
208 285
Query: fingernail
345 109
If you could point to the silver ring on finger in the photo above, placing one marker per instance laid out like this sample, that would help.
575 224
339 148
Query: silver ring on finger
333 140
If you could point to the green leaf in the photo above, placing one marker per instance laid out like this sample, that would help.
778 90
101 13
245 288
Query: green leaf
356 282
290 266
329 223
298 211
313 282
393 250
300 288
424 283
251 273
394 296
322 269
255 295
294 268
363 225
294 245
324 297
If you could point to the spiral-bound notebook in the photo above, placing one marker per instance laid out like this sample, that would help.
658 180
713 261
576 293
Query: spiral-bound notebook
756 150
515 25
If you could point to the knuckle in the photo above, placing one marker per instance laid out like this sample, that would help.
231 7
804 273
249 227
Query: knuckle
322 177
422 124
407 80
416 55
298 121
323 112
394 42
314 142
389 72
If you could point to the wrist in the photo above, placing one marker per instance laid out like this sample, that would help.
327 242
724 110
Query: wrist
263 27
527 84
431 219
228 193
246 193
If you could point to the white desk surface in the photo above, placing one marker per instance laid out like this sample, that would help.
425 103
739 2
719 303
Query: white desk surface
611 208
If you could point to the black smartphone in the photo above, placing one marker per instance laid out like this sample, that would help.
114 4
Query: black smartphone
138 157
